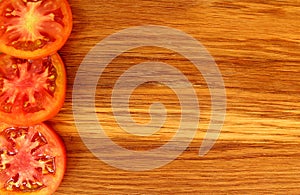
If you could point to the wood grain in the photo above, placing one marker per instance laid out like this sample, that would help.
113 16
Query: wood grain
256 45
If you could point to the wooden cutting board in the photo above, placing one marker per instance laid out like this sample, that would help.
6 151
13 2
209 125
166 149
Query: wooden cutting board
256 46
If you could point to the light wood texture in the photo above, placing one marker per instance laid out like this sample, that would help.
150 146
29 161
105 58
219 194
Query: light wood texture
256 45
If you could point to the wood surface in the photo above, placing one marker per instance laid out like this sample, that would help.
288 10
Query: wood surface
256 45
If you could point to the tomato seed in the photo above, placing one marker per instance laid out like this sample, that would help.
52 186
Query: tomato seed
52 77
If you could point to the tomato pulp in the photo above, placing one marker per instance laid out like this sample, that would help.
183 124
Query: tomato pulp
32 160
31 91
33 29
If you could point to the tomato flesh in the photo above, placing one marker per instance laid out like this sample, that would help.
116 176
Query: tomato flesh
32 160
31 91
34 28
27 81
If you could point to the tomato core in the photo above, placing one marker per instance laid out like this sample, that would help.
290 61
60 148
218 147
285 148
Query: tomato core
28 80
31 18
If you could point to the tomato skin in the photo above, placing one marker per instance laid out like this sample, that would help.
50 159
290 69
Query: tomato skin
57 146
49 48
51 107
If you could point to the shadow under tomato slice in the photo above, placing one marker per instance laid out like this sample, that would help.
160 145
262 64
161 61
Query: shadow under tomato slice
32 160
34 28
31 91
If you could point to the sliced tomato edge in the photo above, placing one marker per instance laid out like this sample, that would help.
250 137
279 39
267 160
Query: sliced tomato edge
48 50
5 117
61 146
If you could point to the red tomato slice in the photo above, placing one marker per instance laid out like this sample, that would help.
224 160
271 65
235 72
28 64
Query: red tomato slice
31 91
33 29
32 160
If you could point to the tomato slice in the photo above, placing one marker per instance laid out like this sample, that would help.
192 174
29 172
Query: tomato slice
32 160
31 91
33 29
